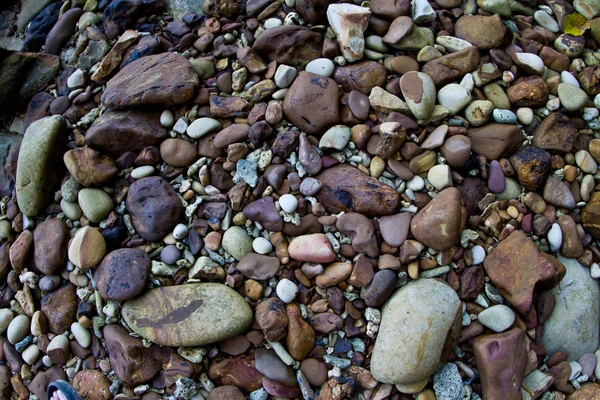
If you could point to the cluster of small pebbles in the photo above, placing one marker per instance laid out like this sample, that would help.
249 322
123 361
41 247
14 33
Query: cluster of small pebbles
300 199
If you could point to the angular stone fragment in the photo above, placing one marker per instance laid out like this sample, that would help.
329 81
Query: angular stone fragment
528 91
453 66
517 268
165 79
555 134
362 76
495 140
291 45
188 315
349 22
345 188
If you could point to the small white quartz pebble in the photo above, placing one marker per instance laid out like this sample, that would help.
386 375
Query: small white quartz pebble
167 119
595 270
575 370
142 172
497 318
288 203
180 231
416 184
286 290
262 245
525 115
555 237
478 254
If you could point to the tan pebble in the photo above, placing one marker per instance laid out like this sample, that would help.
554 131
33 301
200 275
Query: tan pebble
213 241
239 219
413 270
78 279
188 194
87 248
334 274
85 322
426 264
377 166
570 173
39 324
512 212
253 290
427 394
319 306
388 261
169 239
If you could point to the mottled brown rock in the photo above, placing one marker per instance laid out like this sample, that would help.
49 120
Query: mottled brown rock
20 250
528 91
116 132
133 362
227 107
272 318
390 8
290 45
228 392
60 308
50 243
362 76
482 32
532 165
501 360
495 140
471 283
301 337
122 274
555 134
258 266
154 207
165 79
360 230
345 188
590 215
453 66
178 152
237 371
91 384
588 391
589 79
311 103
517 268
89 167
440 222
313 11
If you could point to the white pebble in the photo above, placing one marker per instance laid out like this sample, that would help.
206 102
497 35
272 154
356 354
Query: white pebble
321 66
416 184
467 82
555 237
589 113
575 370
566 77
595 270
285 75
6 316
478 254
76 79
262 245
497 318
288 203
142 172
440 176
180 231
167 119
82 335
286 290
31 354
525 115
273 23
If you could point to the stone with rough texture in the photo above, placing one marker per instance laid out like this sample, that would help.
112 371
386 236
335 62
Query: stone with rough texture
154 207
60 308
590 215
517 268
428 313
50 242
453 66
501 360
362 76
37 173
166 79
483 32
89 167
290 45
573 324
495 140
188 315
440 222
311 103
349 23
555 134
122 274
345 188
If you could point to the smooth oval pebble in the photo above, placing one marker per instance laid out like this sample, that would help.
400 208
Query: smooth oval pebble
202 127
142 172
478 253
321 66
555 237
497 318
18 329
180 231
6 316
288 203
286 290
82 335
262 245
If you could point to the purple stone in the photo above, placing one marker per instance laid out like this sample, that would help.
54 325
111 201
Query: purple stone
170 254
496 180
527 223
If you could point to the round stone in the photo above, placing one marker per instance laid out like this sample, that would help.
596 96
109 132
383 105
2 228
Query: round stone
96 204
525 115
478 254
262 245
321 66
555 237
6 316
180 231
237 242
18 329
288 203
286 290
167 119
82 335
497 318
571 97
170 254
454 97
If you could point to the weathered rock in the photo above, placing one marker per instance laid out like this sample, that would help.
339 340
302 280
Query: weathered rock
258 266
573 324
453 66
37 31
60 308
589 79
291 45
533 166
50 243
92 384
495 140
590 215
272 318
189 315
154 207
122 274
362 76
528 91
133 362
555 134
440 222
165 79
301 337
62 31
345 188
89 167
430 327
517 268
501 360
349 22
311 103
238 371
483 32
116 132
37 172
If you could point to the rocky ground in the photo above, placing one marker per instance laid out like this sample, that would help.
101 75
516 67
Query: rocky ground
299 199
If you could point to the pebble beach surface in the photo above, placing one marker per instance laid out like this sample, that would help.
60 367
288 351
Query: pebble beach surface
300 199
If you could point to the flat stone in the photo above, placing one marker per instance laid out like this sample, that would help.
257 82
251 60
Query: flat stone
291 45
165 79
345 188
394 228
453 66
517 268
362 76
122 274
188 315
497 318
430 329
573 324
237 242
257 266
555 134
495 140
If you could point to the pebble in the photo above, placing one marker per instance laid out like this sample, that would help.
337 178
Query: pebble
478 254
167 119
77 79
82 335
285 75
142 172
180 231
447 382
202 127
440 176
504 116
321 66
286 290
6 316
262 245
96 204
18 329
288 203
555 237
336 137
571 97
525 115
237 242
454 97
170 254
31 354
497 318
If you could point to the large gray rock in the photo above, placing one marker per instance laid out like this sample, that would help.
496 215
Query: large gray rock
37 167
180 7
574 324
420 325
188 315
